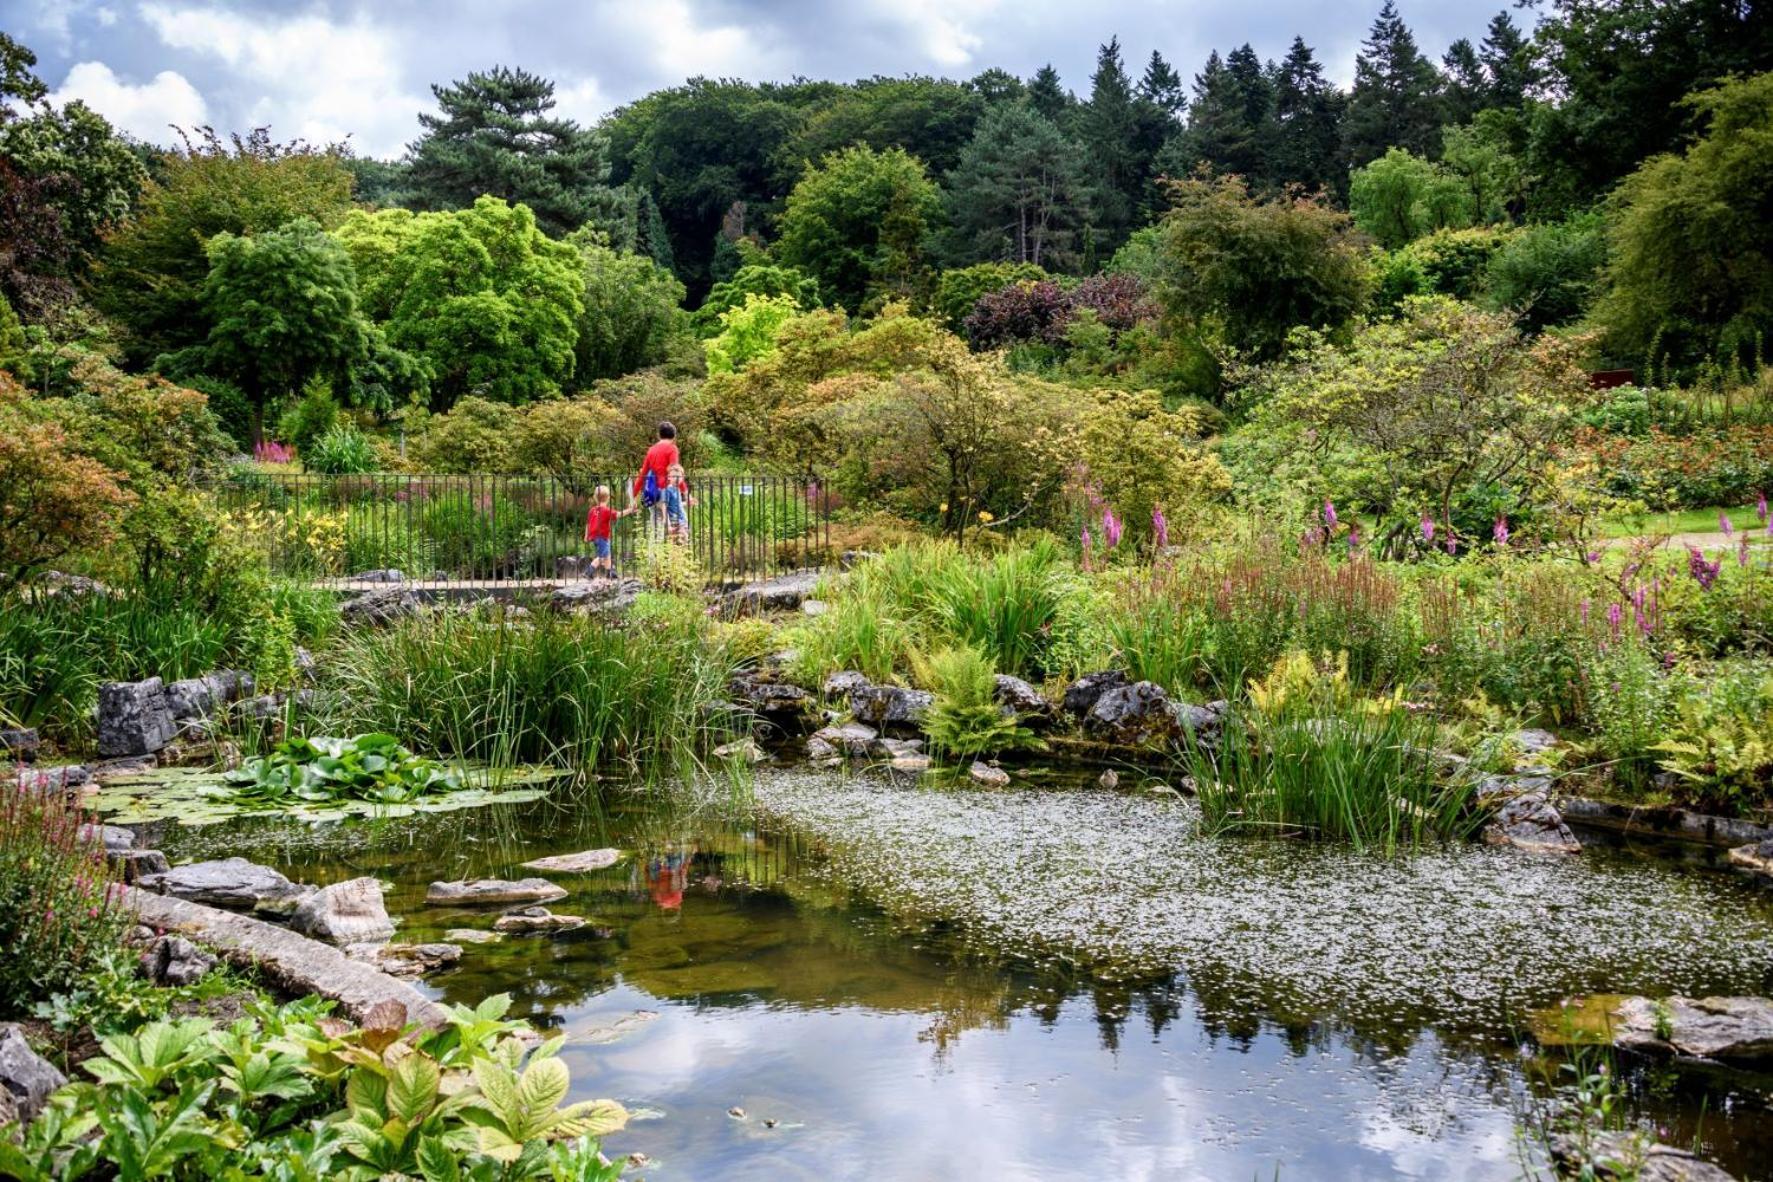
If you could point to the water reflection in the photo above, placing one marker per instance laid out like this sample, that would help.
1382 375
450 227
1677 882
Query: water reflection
729 964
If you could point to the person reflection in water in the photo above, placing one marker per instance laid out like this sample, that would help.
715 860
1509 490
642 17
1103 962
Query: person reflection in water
666 876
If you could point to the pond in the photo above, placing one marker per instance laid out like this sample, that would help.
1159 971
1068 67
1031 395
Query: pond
855 976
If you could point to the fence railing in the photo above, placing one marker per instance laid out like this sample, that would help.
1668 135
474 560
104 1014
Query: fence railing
486 528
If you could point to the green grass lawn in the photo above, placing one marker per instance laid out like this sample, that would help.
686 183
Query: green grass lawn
1680 521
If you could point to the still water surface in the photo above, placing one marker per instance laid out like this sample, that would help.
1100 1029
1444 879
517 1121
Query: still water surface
896 983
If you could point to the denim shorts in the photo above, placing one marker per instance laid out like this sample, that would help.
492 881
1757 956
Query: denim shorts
674 507
601 545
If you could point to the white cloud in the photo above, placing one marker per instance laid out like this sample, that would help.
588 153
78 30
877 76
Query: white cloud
305 76
583 101
680 42
144 111
941 28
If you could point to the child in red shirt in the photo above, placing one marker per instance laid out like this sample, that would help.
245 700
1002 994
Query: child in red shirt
597 529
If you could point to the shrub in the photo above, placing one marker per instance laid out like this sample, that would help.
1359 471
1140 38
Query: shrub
342 450
59 910
1547 274
56 500
477 435
748 332
312 415
958 291
965 719
1026 311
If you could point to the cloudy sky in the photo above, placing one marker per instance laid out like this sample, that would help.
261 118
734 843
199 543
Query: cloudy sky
324 70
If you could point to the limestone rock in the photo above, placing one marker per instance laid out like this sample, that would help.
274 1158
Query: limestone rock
844 683
595 596
891 709
1081 695
582 862
471 936
852 738
1624 1157
381 606
1734 1028
349 912
774 701
784 593
26 1078
494 890
819 751
231 883
987 776
171 961
742 750
20 743
1529 821
1756 856
537 919
1023 699
896 748
135 865
114 837
133 718
406 960
1133 715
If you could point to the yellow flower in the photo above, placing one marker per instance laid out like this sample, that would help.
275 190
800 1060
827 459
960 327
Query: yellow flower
985 516
943 508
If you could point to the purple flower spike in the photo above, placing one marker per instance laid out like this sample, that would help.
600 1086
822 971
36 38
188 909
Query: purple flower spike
1354 537
1330 514
1761 506
1111 528
1160 527
1427 530
1613 617
1499 531
1704 572
1725 525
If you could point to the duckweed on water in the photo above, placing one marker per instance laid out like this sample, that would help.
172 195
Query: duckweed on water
1127 885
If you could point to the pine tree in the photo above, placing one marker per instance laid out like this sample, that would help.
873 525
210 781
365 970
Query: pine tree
1108 129
1253 88
1467 87
1219 131
1308 114
495 136
1020 193
1162 86
1047 96
1507 56
1396 96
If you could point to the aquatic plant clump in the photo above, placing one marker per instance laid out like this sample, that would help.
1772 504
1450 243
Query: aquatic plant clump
372 767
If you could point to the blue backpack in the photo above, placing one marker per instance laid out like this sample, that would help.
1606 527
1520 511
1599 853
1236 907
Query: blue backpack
649 492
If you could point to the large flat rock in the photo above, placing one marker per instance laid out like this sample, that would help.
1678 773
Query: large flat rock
494 890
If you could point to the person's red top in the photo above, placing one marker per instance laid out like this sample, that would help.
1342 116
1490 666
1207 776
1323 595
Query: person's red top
598 521
659 458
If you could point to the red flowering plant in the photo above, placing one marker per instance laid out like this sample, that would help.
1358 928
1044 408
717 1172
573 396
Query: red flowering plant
60 902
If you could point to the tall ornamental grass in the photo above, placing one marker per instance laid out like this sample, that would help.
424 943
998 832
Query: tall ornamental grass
60 909
566 690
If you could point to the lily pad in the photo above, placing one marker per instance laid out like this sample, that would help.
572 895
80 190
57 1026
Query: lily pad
195 797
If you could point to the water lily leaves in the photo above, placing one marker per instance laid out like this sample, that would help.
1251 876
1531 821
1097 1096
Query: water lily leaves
194 797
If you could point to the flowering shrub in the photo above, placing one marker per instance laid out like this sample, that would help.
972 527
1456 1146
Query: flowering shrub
1713 466
59 910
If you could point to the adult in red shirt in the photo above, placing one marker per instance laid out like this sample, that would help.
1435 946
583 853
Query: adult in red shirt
659 458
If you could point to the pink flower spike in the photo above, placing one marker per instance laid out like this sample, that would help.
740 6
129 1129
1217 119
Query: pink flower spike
1427 530
1111 529
1761 506
1330 514
1160 527
1725 525
1499 531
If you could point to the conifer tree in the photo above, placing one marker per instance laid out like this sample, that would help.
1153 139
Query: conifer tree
1396 97
1047 96
1308 114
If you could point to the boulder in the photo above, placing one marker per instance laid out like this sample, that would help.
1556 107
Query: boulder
20 743
133 718
406 960
1757 857
193 698
1081 695
381 606
987 776
1619 1156
1133 715
1529 821
852 738
819 751
114 837
135 865
742 750
26 1078
494 890
784 593
49 779
471 936
896 748
537 919
1205 723
773 701
891 709
1534 743
814 607
602 596
1732 1028
582 862
842 684
349 912
171 961
230 883
1028 703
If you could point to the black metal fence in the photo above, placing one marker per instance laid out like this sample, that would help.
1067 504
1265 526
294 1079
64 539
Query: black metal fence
485 528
